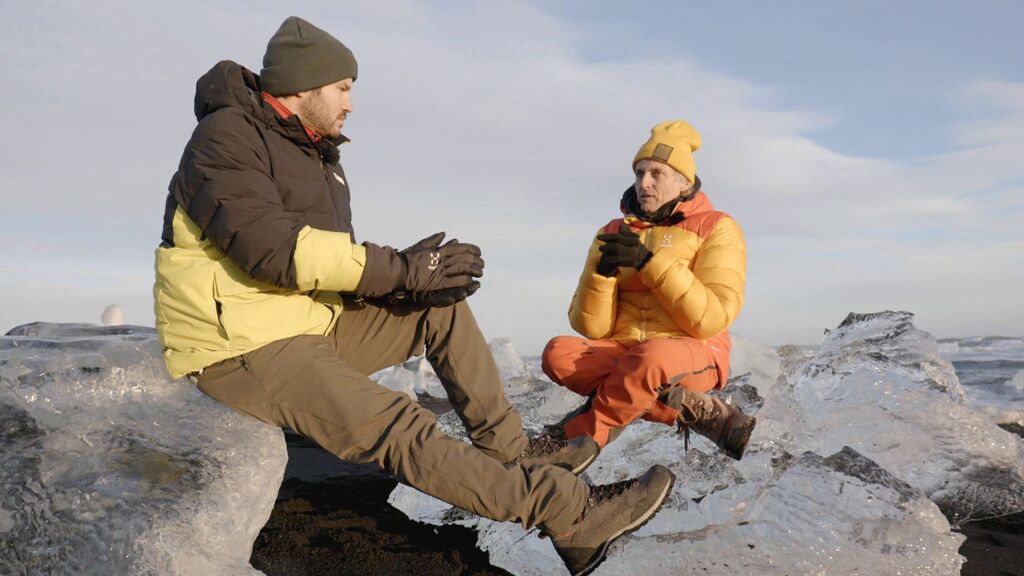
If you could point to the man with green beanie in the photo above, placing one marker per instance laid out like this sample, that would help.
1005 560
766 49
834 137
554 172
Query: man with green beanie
264 299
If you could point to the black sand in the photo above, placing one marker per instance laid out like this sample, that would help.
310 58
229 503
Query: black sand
345 526
995 547
332 518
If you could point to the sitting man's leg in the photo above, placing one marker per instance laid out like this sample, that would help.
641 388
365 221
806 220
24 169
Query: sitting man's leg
370 337
631 390
301 383
580 364
665 380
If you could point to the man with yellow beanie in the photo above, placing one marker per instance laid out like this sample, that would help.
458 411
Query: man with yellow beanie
659 290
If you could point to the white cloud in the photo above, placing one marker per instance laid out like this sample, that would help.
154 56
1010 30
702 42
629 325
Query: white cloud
485 121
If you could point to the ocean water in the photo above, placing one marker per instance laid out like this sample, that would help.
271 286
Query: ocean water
991 370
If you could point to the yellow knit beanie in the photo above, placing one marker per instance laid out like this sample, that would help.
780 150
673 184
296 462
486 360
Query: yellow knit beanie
673 143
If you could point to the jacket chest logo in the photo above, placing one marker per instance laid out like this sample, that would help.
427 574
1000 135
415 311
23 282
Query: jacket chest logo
666 240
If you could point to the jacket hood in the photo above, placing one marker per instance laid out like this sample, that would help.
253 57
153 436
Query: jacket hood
228 84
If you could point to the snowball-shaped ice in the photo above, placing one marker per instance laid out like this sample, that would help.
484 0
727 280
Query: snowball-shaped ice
112 316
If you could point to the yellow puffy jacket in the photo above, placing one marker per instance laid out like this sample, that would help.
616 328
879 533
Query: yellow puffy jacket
208 309
691 287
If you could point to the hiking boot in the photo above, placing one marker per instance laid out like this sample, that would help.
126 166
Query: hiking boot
611 511
723 424
575 454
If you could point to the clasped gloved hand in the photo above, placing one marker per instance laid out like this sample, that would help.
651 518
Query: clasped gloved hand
440 275
621 249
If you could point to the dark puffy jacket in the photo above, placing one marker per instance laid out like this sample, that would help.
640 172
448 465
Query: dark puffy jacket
257 236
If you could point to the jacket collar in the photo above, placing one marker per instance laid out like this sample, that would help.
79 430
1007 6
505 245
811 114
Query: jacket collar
672 213
289 125
284 112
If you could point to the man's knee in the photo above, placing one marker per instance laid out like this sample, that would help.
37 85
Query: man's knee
441 320
557 359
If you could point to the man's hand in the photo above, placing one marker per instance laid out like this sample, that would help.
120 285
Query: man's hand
443 296
621 249
448 270
431 242
446 297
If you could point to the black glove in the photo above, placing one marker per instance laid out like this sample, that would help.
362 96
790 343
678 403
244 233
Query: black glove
432 242
622 249
429 267
440 298
446 297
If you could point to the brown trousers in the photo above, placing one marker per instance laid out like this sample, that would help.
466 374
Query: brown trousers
318 387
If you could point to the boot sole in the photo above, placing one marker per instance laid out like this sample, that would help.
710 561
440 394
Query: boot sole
602 552
584 465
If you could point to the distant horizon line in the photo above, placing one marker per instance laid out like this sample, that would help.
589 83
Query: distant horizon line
937 340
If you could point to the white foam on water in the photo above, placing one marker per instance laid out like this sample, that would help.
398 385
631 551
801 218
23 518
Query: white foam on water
1017 382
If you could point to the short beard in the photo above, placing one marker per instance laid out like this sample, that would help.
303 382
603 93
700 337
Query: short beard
314 114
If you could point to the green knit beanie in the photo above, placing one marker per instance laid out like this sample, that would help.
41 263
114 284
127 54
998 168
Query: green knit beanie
302 57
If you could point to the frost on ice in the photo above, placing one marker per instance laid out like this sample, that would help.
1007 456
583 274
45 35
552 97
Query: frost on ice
864 447
109 467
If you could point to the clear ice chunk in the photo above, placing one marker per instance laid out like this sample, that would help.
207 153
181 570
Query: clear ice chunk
107 466
865 448
880 386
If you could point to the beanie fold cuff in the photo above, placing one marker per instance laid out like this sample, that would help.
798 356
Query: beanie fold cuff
286 80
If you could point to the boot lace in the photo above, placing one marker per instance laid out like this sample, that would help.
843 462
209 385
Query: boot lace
543 444
687 418
604 492
697 415
598 494
692 415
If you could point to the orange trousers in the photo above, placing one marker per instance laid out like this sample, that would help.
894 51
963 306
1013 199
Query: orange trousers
624 382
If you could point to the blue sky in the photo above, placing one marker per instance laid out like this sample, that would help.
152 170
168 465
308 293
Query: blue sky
880 69
871 151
